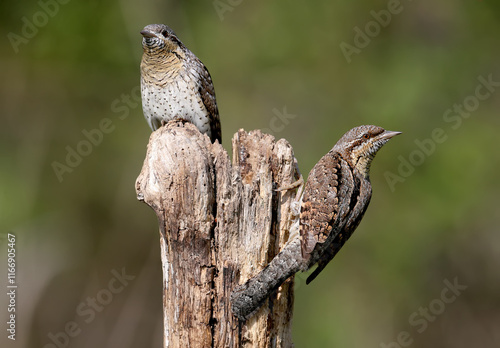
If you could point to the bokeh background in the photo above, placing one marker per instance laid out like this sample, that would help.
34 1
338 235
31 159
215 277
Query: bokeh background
434 216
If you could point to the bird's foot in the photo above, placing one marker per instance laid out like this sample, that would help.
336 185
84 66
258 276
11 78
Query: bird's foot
292 186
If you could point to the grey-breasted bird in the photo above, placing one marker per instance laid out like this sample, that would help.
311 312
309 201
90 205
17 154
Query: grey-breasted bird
175 84
336 196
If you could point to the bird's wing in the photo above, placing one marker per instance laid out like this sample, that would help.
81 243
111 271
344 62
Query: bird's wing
328 255
354 193
326 202
207 93
325 207
360 198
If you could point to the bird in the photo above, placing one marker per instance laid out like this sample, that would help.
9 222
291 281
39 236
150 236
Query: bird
337 194
335 198
175 84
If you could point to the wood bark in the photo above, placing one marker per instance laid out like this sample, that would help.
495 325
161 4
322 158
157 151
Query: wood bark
221 222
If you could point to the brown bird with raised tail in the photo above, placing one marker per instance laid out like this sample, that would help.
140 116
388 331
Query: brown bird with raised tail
175 84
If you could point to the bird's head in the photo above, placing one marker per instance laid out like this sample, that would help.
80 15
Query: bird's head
359 145
157 37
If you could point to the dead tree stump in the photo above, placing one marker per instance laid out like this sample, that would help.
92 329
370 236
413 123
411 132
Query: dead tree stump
220 224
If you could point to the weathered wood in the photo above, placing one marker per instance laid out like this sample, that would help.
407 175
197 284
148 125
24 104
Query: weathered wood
220 223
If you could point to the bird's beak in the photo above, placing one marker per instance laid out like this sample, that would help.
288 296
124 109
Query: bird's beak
389 134
146 33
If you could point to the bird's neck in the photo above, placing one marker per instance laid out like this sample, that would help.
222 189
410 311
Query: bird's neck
358 162
362 164
160 65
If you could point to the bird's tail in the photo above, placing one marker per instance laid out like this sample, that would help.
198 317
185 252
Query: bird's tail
247 298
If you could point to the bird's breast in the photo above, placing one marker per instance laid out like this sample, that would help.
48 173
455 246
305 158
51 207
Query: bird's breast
161 70
178 99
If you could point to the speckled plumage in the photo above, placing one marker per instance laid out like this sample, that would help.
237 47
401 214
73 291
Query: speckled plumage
336 196
175 84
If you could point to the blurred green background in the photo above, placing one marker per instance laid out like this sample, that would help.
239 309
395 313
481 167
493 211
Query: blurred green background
433 218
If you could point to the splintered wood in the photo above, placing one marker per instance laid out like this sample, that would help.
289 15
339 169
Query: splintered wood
220 223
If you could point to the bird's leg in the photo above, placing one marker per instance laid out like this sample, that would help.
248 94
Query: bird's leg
296 204
293 185
174 120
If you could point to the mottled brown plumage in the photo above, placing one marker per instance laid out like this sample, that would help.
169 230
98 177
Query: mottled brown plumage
336 196
175 84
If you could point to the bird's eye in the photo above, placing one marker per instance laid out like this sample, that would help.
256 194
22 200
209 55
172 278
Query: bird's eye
366 136
164 33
